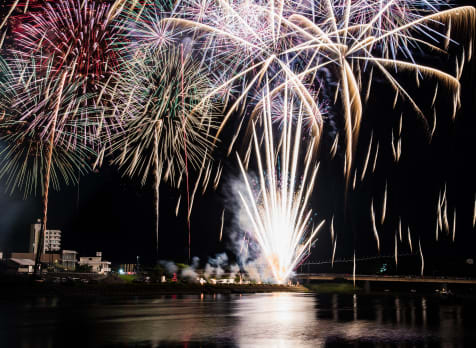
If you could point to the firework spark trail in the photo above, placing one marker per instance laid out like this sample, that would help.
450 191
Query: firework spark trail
384 205
41 237
334 251
332 229
279 215
178 205
353 269
197 182
374 225
206 179
157 175
474 212
396 250
375 158
216 181
222 224
333 150
454 225
421 257
185 149
366 162
400 228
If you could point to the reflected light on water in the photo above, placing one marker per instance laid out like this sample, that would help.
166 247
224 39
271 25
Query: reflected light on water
275 320
252 320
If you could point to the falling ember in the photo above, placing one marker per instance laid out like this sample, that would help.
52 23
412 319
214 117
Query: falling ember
438 212
445 217
474 212
375 158
206 180
217 176
178 205
353 270
394 152
421 257
400 228
333 150
396 250
399 150
384 205
454 224
332 229
367 157
2 39
374 226
278 214
334 252
222 223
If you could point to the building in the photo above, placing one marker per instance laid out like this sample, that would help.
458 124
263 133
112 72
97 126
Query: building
128 268
21 265
69 259
52 238
45 258
96 263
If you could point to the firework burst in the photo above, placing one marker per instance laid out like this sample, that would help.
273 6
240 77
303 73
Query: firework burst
30 113
77 36
293 42
39 131
164 134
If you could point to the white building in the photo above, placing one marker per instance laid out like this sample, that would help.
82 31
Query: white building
52 238
22 265
69 259
96 263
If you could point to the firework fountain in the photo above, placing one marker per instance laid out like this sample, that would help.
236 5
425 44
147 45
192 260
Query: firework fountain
279 212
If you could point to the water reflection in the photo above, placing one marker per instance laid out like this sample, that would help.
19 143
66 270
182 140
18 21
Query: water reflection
275 320
260 320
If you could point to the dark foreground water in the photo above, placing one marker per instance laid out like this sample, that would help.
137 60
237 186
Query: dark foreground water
257 320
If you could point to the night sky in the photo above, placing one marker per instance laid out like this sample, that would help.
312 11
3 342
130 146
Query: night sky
115 215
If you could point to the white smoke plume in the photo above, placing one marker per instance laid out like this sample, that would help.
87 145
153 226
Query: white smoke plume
190 273
170 266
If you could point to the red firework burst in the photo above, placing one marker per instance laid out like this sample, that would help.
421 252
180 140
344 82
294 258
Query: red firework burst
76 34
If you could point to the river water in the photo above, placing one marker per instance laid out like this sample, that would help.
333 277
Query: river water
255 320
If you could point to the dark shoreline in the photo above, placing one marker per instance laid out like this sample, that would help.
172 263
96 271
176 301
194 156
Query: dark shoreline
27 287
34 289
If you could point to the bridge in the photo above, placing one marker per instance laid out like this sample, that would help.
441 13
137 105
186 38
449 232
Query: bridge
384 278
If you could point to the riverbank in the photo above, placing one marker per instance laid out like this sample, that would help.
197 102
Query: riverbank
31 288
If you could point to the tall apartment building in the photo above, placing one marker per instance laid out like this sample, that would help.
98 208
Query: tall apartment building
52 238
